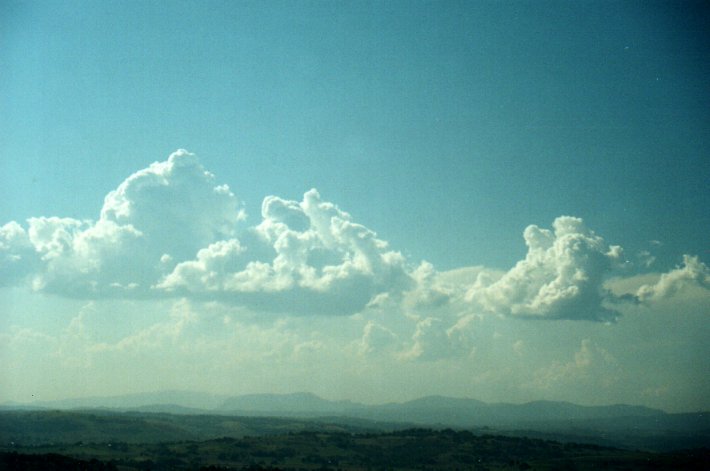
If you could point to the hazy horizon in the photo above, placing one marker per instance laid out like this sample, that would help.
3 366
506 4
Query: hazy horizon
371 201
214 402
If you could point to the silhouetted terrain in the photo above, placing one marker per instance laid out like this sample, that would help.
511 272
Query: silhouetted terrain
33 428
186 416
49 462
411 449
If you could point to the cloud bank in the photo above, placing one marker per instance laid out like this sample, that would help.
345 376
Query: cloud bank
172 230
172 268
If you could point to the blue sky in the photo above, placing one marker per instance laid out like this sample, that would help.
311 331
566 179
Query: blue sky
445 128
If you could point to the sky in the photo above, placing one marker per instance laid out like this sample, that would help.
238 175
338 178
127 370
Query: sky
371 201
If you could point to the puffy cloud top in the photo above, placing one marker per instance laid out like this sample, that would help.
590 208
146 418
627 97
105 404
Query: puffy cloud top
166 212
693 273
322 260
175 203
172 230
561 276
17 254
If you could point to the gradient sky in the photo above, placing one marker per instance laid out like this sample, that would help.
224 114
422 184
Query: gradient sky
377 200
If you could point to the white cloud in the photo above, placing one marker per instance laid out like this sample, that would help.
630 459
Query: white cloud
157 336
81 258
561 276
431 291
432 340
645 258
172 230
207 271
175 204
694 274
321 261
17 254
377 339
164 213
591 365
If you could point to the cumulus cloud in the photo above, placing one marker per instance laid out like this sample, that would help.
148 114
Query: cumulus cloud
377 339
165 212
175 204
591 364
17 254
433 340
171 229
693 274
431 291
82 258
561 276
320 261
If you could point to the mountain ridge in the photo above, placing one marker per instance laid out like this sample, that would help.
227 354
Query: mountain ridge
628 425
432 409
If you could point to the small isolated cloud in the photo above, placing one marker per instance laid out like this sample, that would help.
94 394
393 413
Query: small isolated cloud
645 258
693 274
561 276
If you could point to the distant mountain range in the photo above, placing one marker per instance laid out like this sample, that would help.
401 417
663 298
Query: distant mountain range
177 399
296 404
430 410
630 426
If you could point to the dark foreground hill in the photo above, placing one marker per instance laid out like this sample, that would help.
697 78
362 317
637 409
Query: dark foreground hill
34 428
50 462
411 449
